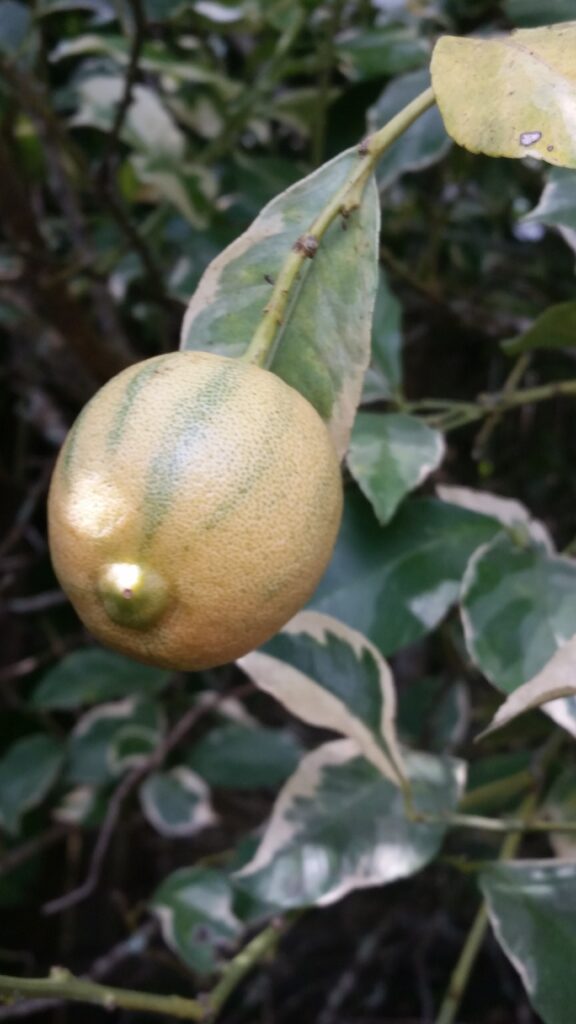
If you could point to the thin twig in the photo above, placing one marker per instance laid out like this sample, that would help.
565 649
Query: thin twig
127 786
26 851
107 166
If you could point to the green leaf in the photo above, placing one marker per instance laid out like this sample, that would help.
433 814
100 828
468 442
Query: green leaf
532 908
518 608
554 328
395 584
556 680
194 908
92 675
381 52
557 205
384 375
390 455
433 713
332 677
339 825
28 770
530 13
510 513
176 802
111 738
241 757
510 95
423 144
338 289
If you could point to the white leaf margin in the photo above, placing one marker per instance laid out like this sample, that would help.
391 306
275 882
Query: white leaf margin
507 511
202 813
556 680
308 700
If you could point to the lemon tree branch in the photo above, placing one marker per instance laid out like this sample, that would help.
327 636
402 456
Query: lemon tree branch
61 984
343 203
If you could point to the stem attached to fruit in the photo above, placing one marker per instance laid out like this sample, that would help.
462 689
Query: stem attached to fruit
343 203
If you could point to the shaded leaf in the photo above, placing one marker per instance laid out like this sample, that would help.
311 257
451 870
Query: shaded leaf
531 13
339 825
384 375
557 679
194 908
155 57
423 144
532 909
176 802
507 511
554 328
239 757
557 205
510 95
92 675
112 737
518 608
15 26
395 584
381 52
28 770
324 345
331 676
390 455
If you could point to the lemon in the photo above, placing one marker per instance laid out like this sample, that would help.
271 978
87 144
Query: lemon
193 509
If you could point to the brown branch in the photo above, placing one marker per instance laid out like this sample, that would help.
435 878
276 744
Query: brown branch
26 93
127 786
107 166
51 297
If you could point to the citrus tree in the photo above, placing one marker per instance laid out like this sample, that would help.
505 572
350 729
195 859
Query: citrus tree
196 506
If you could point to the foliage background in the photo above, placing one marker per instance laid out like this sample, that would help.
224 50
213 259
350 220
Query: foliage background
110 212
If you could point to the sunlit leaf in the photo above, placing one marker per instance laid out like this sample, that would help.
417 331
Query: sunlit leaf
511 95
331 676
324 344
339 825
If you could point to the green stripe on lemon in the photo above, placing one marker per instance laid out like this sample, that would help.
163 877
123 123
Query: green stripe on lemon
198 511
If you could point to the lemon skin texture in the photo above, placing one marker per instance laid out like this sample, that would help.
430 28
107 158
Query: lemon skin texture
193 509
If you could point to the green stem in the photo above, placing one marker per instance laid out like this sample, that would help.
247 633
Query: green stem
343 203
63 985
499 789
452 415
260 947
